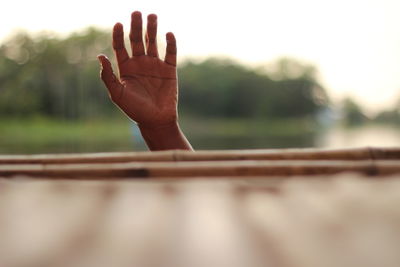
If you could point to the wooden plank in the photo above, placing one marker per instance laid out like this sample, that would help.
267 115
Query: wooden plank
200 169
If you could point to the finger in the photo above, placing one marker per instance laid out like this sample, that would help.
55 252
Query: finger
111 82
136 35
118 44
151 36
170 55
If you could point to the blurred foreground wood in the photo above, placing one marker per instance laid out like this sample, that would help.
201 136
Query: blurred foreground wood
341 220
294 209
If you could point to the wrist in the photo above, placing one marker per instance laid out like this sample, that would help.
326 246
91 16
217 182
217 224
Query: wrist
158 128
164 136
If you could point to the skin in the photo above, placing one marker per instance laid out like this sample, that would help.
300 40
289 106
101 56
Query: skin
147 87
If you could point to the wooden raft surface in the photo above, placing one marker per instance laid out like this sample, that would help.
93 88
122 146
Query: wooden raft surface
343 220
252 208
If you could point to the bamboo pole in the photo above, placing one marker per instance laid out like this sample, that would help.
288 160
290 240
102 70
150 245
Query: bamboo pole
292 154
199 169
210 155
109 157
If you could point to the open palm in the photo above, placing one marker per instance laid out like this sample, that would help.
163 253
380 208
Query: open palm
147 89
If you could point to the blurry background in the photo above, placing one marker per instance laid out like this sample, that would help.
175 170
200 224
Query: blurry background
254 74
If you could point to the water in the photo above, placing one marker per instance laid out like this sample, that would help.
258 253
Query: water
367 135
337 137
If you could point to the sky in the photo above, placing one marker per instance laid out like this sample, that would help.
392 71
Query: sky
355 44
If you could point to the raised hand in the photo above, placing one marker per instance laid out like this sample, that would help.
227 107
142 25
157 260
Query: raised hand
147 87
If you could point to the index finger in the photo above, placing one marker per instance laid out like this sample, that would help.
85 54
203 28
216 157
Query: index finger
118 44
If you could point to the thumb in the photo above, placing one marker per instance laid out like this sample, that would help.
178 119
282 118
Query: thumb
113 85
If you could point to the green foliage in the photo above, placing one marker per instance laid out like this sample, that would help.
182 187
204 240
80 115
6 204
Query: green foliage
223 88
52 76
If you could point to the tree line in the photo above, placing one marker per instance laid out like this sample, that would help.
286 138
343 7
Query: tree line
58 77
